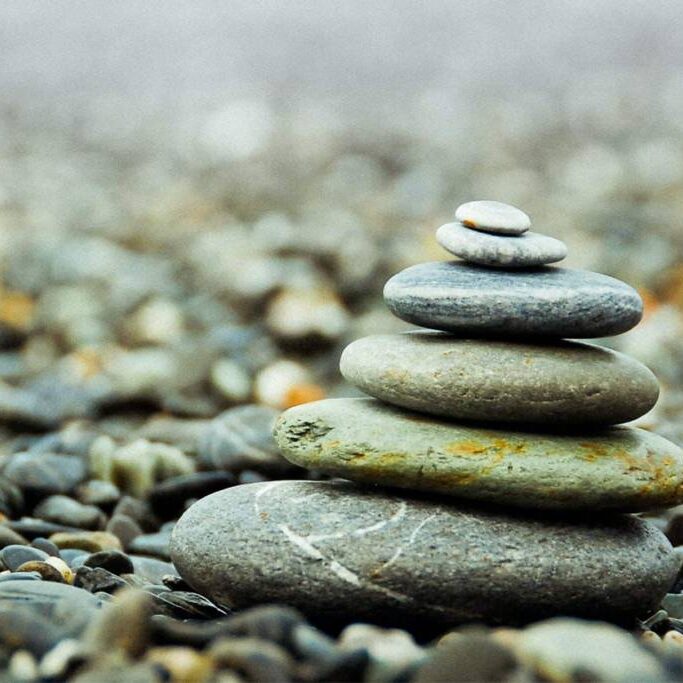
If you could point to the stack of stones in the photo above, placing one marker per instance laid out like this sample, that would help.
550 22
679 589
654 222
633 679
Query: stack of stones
488 481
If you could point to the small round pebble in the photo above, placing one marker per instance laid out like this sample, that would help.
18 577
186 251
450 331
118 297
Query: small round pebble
495 217
523 251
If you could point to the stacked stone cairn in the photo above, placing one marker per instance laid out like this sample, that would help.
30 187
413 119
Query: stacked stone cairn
488 481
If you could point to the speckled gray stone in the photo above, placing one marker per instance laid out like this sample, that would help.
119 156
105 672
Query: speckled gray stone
568 383
523 251
495 217
334 549
548 301
365 440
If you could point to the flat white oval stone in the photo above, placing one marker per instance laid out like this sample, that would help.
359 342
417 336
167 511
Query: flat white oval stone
496 217
518 251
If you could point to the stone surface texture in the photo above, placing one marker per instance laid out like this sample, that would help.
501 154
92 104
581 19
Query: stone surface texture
495 217
336 550
549 301
518 251
620 468
568 383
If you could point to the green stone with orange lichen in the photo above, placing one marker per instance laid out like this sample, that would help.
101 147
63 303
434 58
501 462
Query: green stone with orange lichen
364 440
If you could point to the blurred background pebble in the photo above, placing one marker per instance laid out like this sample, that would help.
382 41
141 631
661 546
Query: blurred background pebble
199 205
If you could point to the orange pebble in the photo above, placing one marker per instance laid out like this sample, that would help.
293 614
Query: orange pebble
16 309
303 393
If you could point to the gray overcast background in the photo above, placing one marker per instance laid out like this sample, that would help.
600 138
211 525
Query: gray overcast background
182 50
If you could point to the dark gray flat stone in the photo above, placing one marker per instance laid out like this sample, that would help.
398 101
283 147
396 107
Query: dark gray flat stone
68 606
568 383
548 301
334 549
523 251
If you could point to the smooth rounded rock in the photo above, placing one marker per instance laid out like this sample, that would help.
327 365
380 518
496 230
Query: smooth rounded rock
70 607
332 549
620 468
522 251
548 301
13 556
495 217
568 383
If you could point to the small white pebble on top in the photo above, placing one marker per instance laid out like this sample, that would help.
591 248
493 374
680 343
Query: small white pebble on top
495 217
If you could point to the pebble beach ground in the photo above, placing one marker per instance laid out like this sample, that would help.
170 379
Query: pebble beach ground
167 292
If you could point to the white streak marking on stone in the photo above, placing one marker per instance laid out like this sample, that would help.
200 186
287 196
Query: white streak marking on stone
411 540
338 569
261 492
344 573
301 542
399 514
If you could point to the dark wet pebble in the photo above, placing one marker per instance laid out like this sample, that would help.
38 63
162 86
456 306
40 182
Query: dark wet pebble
124 528
46 546
74 557
168 498
13 556
20 576
104 494
68 606
94 579
45 474
47 571
10 537
33 528
156 545
242 438
188 605
112 560
175 583
11 498
152 569
69 512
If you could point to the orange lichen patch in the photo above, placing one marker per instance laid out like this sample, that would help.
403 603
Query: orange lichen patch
468 223
16 309
593 451
505 447
497 447
302 393
467 448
